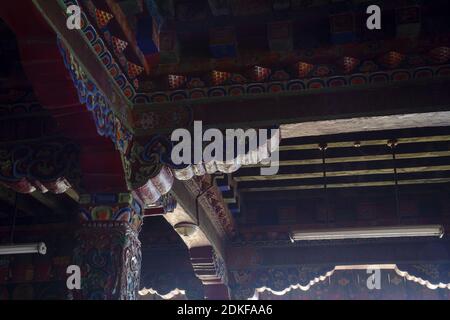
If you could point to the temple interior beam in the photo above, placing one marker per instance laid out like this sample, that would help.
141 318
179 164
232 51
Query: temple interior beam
410 104
361 124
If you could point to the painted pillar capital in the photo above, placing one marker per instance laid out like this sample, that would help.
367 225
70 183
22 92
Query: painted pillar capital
111 209
108 250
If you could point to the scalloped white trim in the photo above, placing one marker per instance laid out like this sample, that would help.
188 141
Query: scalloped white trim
168 296
403 274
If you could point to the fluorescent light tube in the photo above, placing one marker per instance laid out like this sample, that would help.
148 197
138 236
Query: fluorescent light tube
369 233
24 248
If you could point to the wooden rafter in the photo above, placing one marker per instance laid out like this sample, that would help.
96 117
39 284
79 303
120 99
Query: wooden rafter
349 185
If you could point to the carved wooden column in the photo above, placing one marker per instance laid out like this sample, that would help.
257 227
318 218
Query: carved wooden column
107 249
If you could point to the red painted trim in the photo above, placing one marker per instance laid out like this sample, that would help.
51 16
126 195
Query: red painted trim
44 67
